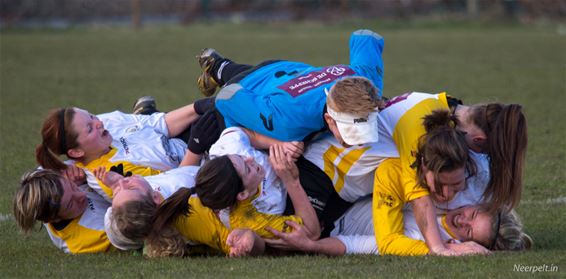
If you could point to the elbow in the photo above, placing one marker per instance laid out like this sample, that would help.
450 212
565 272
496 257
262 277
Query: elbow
314 233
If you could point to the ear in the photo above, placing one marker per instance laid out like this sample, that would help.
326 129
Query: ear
242 196
75 153
329 120
478 143
157 197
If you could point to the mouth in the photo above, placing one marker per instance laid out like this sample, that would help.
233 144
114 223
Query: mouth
105 133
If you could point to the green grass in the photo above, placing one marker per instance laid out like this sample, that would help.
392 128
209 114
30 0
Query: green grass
103 69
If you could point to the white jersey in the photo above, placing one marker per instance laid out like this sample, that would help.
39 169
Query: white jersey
272 193
167 183
140 143
350 169
84 234
355 228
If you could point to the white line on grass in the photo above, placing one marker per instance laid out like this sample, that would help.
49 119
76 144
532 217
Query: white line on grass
5 217
559 200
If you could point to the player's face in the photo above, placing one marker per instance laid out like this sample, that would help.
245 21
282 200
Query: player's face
130 189
334 129
73 202
470 223
451 183
250 171
94 141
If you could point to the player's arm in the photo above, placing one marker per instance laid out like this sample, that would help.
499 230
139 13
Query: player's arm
288 172
387 206
179 120
260 141
297 240
425 217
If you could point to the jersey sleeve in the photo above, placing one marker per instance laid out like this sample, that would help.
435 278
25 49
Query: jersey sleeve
359 244
387 207
245 215
232 140
203 227
406 136
366 48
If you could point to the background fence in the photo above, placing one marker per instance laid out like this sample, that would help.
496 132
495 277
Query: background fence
71 12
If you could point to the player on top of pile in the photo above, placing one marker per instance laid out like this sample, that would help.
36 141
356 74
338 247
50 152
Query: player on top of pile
287 101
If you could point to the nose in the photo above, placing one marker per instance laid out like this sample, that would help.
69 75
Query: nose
98 123
448 193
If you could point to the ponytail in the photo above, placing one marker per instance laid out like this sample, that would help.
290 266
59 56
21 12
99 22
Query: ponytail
439 119
47 159
164 240
176 205
506 129
57 137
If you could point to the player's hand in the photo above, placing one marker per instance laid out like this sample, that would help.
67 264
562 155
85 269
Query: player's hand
296 240
108 178
283 164
468 248
74 174
241 242
293 148
205 131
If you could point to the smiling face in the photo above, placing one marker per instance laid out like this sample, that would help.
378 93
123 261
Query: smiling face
131 189
250 172
451 183
471 223
73 202
93 140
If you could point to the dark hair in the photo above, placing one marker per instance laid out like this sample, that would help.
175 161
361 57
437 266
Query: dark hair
506 129
38 198
218 183
58 136
442 148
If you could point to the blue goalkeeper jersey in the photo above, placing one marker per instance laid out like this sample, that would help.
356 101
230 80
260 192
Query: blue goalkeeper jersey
286 100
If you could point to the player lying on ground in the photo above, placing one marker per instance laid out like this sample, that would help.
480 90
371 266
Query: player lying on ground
353 233
164 226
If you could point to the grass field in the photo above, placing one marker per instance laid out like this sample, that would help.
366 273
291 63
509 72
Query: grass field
103 69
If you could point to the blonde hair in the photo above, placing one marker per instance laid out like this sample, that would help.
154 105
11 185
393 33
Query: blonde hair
355 95
134 218
168 242
510 235
164 240
38 198
143 221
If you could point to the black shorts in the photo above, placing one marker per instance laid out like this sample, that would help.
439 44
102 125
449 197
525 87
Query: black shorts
328 205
